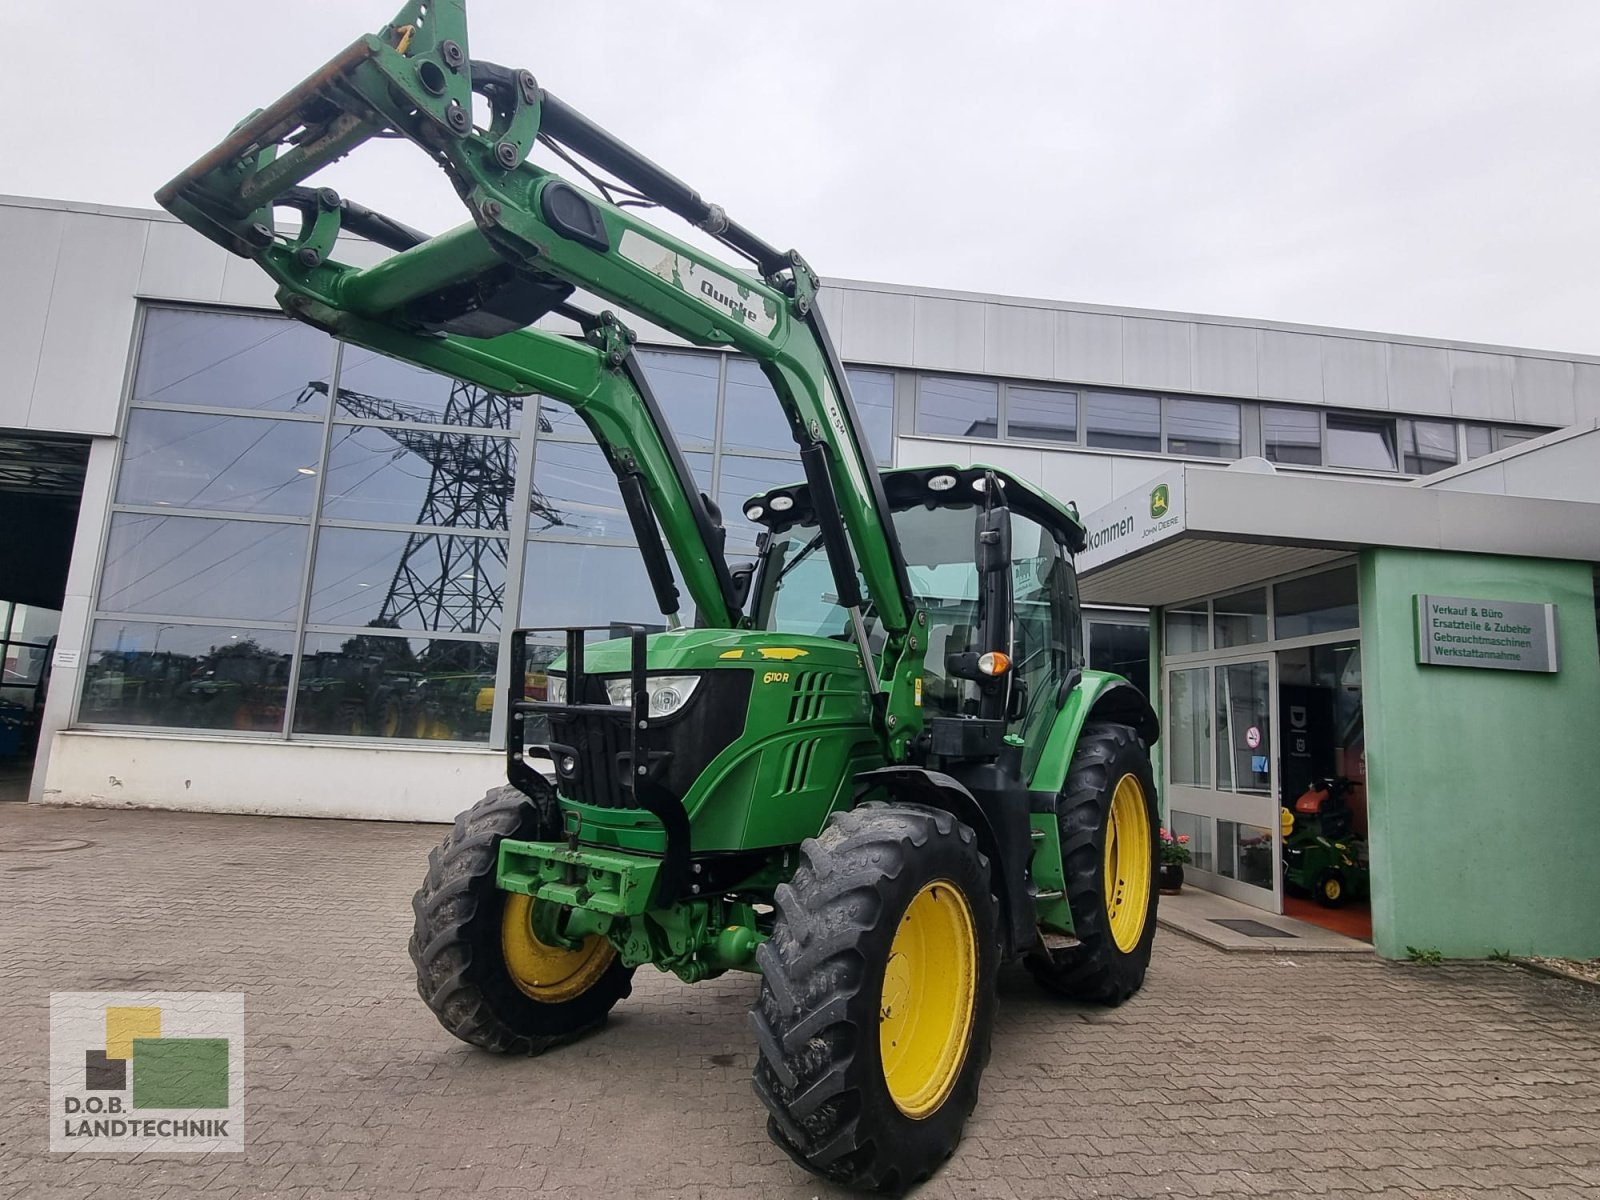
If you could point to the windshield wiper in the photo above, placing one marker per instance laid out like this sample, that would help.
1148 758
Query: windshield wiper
805 552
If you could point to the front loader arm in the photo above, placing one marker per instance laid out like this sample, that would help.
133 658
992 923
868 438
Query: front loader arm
534 238
600 378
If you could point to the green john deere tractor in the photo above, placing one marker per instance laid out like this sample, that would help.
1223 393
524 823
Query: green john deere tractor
872 771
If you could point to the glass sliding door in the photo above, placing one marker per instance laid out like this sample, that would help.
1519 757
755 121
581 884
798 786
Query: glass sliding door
1221 755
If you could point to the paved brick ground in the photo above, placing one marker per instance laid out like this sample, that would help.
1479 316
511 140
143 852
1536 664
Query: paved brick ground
1241 1075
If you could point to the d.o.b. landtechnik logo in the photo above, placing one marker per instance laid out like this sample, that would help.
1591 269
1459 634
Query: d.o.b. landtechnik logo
134 1071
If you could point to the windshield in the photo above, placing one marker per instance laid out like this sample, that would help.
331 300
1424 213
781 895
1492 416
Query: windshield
798 596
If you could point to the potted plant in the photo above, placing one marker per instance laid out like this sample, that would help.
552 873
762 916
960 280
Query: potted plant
1174 853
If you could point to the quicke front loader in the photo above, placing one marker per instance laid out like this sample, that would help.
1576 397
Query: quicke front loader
871 769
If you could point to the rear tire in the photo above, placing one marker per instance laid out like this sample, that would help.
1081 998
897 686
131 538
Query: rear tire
878 996
1113 902
476 970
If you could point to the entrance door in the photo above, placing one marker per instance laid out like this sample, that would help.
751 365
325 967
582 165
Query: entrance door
41 487
1221 748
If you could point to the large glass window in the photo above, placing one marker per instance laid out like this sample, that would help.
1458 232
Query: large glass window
1188 628
1187 730
408 581
575 492
1357 442
1292 435
1241 618
229 360
208 461
368 685
1123 421
1244 728
200 567
1486 439
396 475
1428 446
958 407
1321 603
314 540
752 418
1041 414
685 385
873 392
372 387
1207 428
566 583
1121 646
186 676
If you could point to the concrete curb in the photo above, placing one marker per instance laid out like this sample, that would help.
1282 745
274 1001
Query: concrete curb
1527 964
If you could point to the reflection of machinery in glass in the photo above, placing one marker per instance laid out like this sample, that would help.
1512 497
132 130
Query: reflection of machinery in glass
136 686
452 584
351 692
1323 855
238 686
772 791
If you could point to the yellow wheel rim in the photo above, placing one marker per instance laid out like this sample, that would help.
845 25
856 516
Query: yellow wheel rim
1127 871
929 990
1332 889
548 974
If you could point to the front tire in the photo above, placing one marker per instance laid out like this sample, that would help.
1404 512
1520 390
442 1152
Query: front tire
1108 822
480 968
878 996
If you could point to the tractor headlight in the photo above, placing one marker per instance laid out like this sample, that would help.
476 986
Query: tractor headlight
668 693
555 689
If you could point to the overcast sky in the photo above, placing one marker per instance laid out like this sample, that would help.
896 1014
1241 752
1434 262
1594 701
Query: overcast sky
1395 165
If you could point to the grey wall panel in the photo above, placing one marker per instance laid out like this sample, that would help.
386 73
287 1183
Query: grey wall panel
933 452
1564 471
30 242
1419 379
359 253
1586 391
1018 341
1290 366
1158 354
830 302
1542 391
247 285
1022 461
878 328
1088 347
1129 474
1225 359
948 334
1355 373
1083 479
83 354
179 264
1481 385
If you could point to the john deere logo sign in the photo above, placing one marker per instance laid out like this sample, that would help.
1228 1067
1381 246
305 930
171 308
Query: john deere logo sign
151 1071
1160 501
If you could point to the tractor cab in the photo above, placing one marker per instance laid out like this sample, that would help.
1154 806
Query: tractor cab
941 516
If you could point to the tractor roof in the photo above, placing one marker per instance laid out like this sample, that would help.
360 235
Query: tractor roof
941 486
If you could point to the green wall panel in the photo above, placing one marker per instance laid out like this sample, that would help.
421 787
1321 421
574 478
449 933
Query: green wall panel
1483 786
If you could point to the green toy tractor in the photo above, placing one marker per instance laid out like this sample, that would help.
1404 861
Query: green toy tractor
871 767
1323 856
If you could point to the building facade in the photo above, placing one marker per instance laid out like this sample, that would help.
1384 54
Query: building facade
295 565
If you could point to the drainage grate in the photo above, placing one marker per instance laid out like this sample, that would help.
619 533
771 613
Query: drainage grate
1251 928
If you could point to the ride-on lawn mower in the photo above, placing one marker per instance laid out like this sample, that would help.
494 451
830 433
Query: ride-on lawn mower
877 767
1322 854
